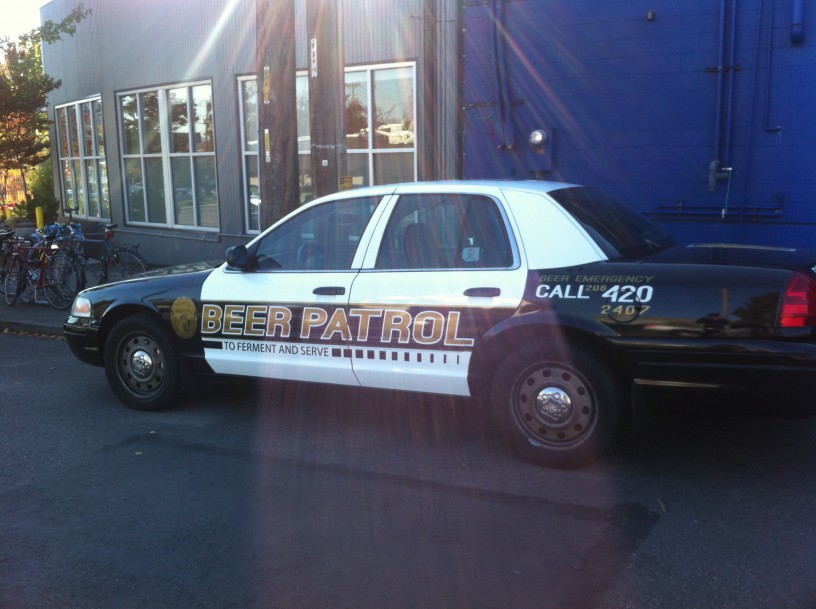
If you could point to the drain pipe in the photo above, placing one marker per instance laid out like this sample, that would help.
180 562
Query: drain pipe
714 171
797 33
503 94
720 72
732 69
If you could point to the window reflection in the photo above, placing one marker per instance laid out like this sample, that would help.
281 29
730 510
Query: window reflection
179 121
381 144
206 191
87 130
130 124
154 184
302 103
76 169
81 148
151 123
394 108
73 133
183 191
62 124
357 110
182 117
379 120
68 184
202 110
249 93
93 188
134 188
99 128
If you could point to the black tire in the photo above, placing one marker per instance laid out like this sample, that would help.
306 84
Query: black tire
4 270
61 282
124 263
141 364
559 411
13 284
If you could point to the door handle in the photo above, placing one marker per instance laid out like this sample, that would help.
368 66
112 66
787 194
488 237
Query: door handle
329 291
483 292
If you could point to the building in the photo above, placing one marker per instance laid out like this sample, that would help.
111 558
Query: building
696 113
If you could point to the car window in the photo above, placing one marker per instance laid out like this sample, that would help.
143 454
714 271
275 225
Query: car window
618 230
323 237
443 231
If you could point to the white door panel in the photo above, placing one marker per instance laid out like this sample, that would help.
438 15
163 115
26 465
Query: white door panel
275 324
421 330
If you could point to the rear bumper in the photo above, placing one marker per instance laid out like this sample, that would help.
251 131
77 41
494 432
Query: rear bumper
766 377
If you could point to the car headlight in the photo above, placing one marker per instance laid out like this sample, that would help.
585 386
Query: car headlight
81 307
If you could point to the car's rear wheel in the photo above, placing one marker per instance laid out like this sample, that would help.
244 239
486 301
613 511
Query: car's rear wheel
557 410
141 364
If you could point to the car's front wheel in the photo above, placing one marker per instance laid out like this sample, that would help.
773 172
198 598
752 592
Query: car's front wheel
141 364
557 410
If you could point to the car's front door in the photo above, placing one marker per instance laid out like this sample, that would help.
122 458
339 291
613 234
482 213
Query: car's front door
446 271
285 317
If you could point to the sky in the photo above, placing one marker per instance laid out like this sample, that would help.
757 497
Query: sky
19 16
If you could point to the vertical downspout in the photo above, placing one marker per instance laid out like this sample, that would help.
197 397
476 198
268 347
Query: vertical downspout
502 87
767 126
429 166
720 77
716 169
714 173
797 34
732 67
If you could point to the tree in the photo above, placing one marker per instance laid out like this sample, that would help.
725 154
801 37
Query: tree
42 191
24 88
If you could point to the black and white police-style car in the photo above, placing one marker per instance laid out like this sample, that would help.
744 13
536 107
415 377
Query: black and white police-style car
551 302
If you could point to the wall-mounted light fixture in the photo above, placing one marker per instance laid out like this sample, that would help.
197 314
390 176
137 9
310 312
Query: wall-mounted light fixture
538 138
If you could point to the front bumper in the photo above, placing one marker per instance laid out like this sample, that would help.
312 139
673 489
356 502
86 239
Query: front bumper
82 336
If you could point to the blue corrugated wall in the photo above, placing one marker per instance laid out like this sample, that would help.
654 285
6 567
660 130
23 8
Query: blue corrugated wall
652 101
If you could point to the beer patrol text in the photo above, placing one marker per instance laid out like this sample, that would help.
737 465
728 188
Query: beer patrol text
356 325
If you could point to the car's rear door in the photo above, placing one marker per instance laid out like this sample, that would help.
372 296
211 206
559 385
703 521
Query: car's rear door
446 269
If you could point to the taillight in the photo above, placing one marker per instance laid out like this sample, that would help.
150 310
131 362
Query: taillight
108 234
799 303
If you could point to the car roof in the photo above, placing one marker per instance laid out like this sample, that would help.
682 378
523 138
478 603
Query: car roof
449 186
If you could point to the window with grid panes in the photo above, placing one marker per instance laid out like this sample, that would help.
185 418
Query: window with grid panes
81 150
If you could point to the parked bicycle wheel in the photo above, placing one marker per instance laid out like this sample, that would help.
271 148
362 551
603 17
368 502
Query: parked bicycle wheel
4 269
124 263
14 281
61 281
6 255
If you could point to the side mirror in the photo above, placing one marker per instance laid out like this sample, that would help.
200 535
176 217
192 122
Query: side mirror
237 257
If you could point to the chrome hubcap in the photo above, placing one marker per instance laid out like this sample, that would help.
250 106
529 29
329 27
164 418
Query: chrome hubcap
141 364
553 405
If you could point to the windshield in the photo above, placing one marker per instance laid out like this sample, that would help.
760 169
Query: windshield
618 230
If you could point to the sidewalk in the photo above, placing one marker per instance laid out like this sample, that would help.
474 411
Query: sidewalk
39 318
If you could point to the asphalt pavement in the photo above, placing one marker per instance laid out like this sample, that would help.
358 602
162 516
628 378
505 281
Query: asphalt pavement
35 317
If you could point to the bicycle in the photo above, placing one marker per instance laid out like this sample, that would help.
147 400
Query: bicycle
6 252
117 262
40 269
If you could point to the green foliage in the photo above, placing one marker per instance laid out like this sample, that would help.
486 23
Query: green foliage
42 190
24 88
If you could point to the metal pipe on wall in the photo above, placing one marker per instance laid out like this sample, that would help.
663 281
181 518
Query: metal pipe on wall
720 77
797 33
732 67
